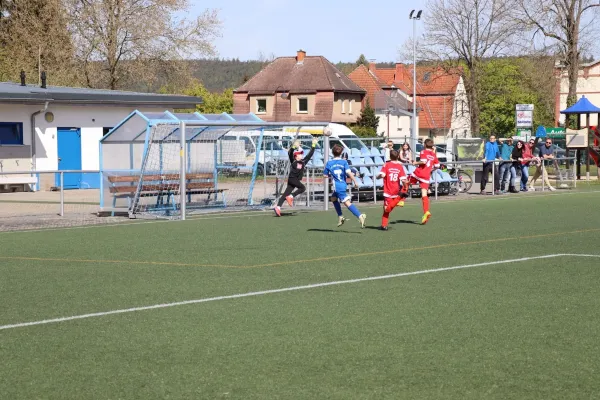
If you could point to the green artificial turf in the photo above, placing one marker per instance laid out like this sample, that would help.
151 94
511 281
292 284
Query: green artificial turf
509 331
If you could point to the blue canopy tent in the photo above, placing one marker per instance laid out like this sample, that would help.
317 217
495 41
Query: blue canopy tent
583 106
153 144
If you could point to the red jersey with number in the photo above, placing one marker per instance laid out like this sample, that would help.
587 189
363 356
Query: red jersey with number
423 172
393 173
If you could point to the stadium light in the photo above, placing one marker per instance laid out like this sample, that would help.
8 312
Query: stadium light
413 134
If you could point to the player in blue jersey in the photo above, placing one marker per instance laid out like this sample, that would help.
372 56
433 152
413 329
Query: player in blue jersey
337 170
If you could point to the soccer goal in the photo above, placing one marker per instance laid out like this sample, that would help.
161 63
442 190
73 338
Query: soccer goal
194 163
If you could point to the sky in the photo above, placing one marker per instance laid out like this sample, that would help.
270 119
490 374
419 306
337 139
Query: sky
339 30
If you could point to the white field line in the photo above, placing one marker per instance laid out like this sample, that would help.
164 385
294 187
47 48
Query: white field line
287 289
244 214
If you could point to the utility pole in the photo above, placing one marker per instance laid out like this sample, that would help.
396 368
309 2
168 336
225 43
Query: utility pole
413 130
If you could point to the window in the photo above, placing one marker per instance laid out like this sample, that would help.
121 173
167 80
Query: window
261 106
343 106
303 105
350 106
11 133
427 77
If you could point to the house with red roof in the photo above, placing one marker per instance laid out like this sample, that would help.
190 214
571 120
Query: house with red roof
302 88
391 105
442 104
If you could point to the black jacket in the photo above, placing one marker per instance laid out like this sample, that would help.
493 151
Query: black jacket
516 154
297 167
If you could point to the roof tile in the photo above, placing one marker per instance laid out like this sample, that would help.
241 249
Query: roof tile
315 73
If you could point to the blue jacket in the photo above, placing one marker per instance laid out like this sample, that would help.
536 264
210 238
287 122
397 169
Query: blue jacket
491 151
506 151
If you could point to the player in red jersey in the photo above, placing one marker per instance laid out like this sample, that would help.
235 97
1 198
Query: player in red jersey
422 174
393 176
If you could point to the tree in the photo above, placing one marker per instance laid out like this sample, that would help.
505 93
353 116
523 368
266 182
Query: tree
560 21
368 118
501 89
123 40
462 33
362 60
212 103
34 37
509 81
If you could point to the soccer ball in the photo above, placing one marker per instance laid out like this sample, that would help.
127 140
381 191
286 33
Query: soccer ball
327 131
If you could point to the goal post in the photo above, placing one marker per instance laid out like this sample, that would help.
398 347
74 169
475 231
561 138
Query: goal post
196 166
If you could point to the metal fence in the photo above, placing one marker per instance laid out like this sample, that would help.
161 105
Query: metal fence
57 199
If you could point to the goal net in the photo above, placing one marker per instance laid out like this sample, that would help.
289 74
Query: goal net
225 169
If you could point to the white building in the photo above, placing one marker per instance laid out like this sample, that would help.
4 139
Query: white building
588 84
59 128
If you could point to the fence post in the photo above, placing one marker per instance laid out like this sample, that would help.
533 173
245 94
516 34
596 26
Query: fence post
182 169
374 179
493 178
574 177
62 194
436 184
325 179
307 187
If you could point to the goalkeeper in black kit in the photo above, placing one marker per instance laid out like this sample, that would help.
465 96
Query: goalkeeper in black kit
297 167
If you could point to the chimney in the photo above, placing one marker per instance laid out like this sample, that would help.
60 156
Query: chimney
43 79
300 56
23 76
372 66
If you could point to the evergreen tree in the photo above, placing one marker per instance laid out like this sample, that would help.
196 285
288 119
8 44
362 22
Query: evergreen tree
362 60
368 118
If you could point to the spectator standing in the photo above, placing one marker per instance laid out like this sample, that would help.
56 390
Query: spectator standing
528 158
491 153
406 154
546 155
507 171
390 147
517 157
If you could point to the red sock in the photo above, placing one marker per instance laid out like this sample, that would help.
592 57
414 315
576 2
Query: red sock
425 204
385 218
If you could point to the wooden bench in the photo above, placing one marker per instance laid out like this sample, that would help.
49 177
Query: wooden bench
11 180
163 186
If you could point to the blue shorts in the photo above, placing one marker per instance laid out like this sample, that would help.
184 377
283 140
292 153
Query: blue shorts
340 193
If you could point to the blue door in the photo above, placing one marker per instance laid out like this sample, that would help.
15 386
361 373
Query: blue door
69 157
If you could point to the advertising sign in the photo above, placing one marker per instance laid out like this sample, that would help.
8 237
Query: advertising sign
524 115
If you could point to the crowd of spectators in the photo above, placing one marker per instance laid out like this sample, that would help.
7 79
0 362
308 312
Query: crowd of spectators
516 157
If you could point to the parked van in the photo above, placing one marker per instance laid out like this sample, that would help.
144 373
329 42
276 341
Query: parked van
270 157
340 134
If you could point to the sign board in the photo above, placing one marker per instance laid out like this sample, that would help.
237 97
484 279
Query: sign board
540 132
524 118
577 139
524 107
555 132
524 132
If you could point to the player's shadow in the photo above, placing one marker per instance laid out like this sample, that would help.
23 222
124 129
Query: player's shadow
331 231
400 221
288 214
404 221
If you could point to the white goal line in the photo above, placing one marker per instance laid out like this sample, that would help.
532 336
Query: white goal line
286 289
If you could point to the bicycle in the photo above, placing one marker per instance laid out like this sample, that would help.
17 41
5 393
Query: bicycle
464 180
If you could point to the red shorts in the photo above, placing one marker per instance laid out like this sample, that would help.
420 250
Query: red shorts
391 202
413 181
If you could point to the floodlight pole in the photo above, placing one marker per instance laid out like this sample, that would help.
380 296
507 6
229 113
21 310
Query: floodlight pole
413 134
182 169
325 178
